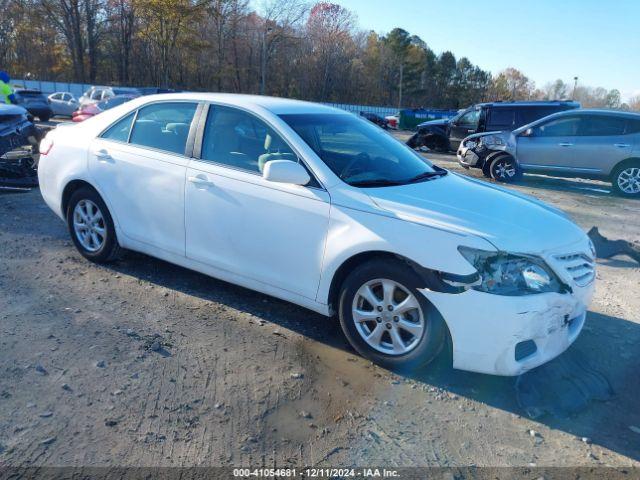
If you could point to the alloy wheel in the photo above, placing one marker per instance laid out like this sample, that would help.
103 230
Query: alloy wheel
388 316
504 170
629 180
89 226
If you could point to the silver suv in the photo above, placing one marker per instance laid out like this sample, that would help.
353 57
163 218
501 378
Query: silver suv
598 144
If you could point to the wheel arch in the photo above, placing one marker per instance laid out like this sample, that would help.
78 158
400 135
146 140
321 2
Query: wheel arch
431 279
71 187
490 157
623 163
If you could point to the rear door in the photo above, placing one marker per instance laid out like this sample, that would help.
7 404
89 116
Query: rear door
602 144
552 145
139 165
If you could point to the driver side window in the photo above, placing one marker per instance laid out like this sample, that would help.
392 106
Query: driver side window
470 118
237 139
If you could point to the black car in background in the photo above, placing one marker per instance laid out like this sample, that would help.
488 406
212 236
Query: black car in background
375 118
446 134
35 103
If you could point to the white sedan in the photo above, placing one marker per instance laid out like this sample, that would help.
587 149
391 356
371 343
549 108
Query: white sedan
315 206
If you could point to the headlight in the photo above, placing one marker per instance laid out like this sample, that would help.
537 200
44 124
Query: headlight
512 275
492 140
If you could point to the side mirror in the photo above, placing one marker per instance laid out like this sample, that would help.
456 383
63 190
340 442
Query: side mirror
527 133
285 171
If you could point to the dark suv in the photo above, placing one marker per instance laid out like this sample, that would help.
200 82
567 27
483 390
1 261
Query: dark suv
446 134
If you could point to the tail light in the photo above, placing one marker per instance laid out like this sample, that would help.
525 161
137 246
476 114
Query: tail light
46 145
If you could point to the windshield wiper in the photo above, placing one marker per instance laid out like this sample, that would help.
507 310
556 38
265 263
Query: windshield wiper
426 175
378 182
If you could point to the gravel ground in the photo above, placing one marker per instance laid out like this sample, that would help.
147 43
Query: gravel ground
144 363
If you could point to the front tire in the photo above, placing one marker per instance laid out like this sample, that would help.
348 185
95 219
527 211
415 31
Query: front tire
625 180
386 319
504 168
91 226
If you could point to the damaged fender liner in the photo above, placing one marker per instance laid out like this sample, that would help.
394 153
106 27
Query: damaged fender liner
443 281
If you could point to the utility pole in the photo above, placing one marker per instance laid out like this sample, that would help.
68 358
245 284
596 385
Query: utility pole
575 85
263 63
400 87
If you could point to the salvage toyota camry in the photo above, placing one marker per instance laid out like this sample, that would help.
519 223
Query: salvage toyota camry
321 208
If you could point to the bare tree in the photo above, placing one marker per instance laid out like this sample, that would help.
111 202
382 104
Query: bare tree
280 19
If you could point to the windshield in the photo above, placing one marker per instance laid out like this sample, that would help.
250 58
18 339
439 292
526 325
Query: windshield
359 152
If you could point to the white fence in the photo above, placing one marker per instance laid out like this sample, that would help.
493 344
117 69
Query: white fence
77 89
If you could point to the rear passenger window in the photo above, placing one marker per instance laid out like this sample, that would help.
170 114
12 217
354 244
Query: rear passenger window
164 126
501 117
633 126
602 125
119 131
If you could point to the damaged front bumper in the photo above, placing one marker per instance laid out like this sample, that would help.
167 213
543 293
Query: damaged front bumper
12 137
467 157
508 335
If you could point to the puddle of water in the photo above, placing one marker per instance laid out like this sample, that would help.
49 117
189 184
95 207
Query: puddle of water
562 387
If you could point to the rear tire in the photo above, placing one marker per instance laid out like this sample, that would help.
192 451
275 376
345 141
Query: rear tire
91 226
410 331
625 180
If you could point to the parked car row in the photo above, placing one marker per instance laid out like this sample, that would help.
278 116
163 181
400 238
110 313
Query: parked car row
64 104
92 109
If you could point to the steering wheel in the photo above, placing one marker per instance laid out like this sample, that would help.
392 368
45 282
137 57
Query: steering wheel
351 166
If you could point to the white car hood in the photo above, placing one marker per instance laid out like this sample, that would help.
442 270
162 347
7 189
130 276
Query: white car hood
510 221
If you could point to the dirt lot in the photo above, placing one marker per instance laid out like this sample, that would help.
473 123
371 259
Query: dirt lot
143 363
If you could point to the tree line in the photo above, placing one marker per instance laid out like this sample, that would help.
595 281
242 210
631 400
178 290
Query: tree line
286 48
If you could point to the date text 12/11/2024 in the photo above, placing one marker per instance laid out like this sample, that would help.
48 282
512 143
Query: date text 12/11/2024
316 472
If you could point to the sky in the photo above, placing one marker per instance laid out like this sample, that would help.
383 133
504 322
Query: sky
597 41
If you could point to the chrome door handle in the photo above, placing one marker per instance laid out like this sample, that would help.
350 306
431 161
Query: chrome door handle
103 156
621 145
564 144
201 181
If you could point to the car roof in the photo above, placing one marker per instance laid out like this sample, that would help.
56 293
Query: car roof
275 105
603 111
28 90
530 103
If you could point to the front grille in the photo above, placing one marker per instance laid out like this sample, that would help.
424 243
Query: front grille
580 267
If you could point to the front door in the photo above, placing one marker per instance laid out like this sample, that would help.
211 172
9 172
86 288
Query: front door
237 221
466 125
140 169
551 145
